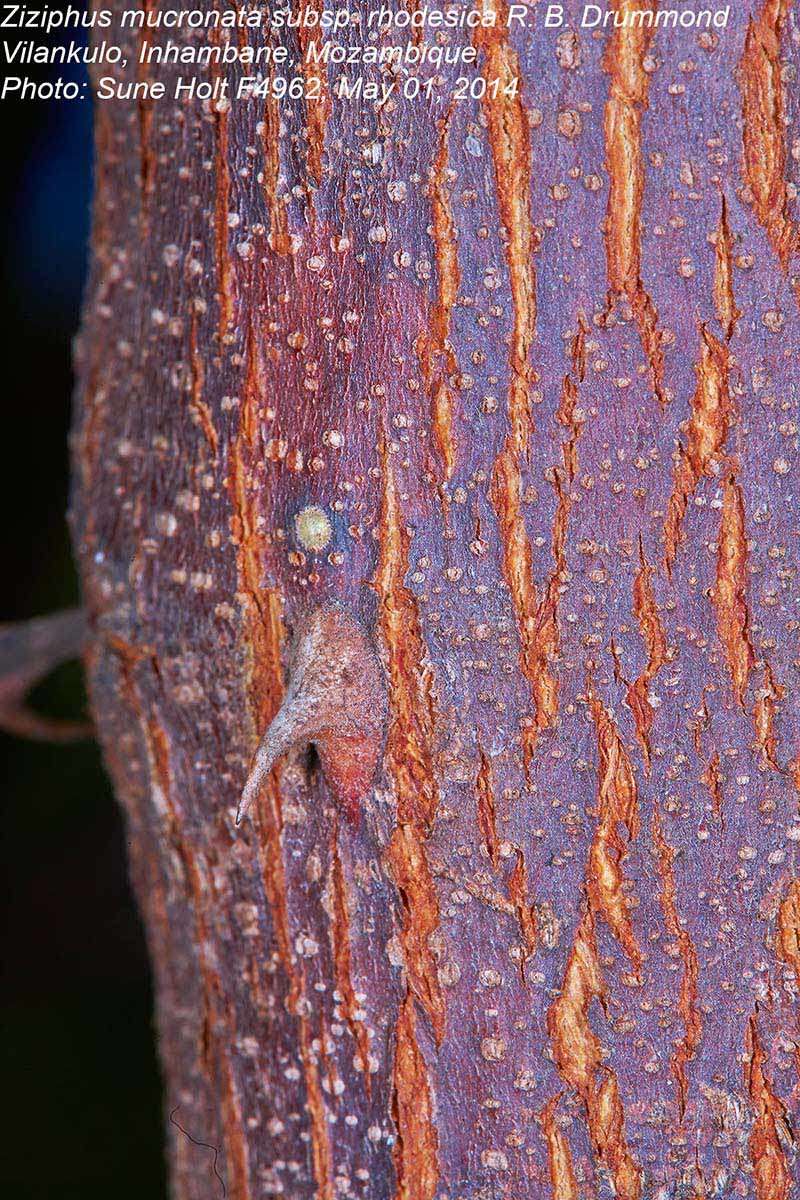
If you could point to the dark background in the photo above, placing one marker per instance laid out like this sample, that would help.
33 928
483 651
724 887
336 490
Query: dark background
80 1076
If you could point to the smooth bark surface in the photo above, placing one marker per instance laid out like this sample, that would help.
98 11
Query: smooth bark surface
534 359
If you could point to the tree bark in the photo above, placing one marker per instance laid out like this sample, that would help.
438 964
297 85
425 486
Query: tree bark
484 412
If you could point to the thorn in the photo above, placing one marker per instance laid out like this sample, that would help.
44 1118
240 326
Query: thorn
336 700
29 650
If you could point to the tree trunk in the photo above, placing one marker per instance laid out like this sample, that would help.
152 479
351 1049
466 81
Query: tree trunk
479 414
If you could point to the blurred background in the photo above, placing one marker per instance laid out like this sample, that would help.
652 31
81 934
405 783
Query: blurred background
79 1064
